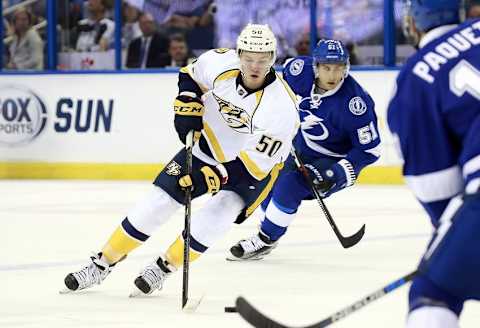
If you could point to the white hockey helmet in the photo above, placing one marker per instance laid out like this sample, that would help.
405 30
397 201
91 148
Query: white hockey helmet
257 38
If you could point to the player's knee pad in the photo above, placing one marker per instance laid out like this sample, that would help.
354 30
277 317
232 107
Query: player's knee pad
216 217
424 293
432 317
152 211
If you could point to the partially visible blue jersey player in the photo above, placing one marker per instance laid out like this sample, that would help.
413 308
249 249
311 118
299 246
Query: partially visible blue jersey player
337 138
434 116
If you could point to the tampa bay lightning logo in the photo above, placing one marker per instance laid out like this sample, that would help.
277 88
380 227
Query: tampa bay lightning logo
296 67
357 106
318 130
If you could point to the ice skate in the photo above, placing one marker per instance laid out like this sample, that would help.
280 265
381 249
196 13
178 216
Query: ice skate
253 248
152 277
92 274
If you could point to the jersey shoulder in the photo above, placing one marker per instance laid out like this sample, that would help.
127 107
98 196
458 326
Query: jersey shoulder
355 99
282 95
300 75
432 63
212 64
281 102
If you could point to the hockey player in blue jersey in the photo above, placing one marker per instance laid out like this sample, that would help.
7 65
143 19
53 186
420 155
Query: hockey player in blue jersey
434 116
338 137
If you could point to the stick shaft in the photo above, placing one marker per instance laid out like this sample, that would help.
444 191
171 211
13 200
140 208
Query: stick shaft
346 241
188 213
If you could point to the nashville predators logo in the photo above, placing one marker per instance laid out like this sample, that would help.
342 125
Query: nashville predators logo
236 117
221 50
173 168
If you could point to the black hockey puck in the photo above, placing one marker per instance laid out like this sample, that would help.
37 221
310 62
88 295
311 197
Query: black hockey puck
230 309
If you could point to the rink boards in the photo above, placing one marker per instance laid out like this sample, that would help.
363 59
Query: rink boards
119 126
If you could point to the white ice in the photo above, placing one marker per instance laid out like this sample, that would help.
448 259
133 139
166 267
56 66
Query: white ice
49 229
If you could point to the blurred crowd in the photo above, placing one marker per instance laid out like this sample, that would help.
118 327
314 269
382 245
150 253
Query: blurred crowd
168 33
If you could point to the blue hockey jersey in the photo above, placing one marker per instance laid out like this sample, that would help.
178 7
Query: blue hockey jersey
434 116
339 124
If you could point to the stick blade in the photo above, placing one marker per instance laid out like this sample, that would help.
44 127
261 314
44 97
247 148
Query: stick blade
253 316
354 239
192 304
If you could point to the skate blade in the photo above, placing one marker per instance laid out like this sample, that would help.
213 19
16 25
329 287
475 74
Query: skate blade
136 293
192 304
236 259
65 291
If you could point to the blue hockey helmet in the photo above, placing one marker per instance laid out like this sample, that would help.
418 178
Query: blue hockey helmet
429 14
329 51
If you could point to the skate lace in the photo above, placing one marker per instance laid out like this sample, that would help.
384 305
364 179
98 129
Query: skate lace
88 276
91 274
154 276
252 244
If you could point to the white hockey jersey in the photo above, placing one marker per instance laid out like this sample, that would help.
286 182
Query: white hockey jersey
258 128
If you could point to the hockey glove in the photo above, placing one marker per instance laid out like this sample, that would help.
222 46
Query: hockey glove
188 115
337 177
211 177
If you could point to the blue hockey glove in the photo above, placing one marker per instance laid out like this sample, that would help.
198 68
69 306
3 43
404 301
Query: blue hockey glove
337 177
188 115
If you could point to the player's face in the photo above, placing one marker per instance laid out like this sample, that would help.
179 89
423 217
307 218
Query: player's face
330 75
254 66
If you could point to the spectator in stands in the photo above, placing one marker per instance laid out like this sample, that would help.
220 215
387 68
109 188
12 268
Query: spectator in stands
302 46
26 48
197 25
96 32
149 50
131 27
473 9
192 18
352 51
178 51
7 31
7 28
174 13
69 13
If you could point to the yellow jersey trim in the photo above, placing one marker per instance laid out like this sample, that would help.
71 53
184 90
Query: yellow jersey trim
252 167
273 177
232 73
258 96
214 144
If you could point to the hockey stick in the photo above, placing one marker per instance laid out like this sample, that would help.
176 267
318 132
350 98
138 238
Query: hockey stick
259 320
188 213
346 242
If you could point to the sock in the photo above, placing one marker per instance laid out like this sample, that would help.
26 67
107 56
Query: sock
174 254
432 317
123 240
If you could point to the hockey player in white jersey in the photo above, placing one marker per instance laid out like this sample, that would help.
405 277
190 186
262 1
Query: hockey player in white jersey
244 117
